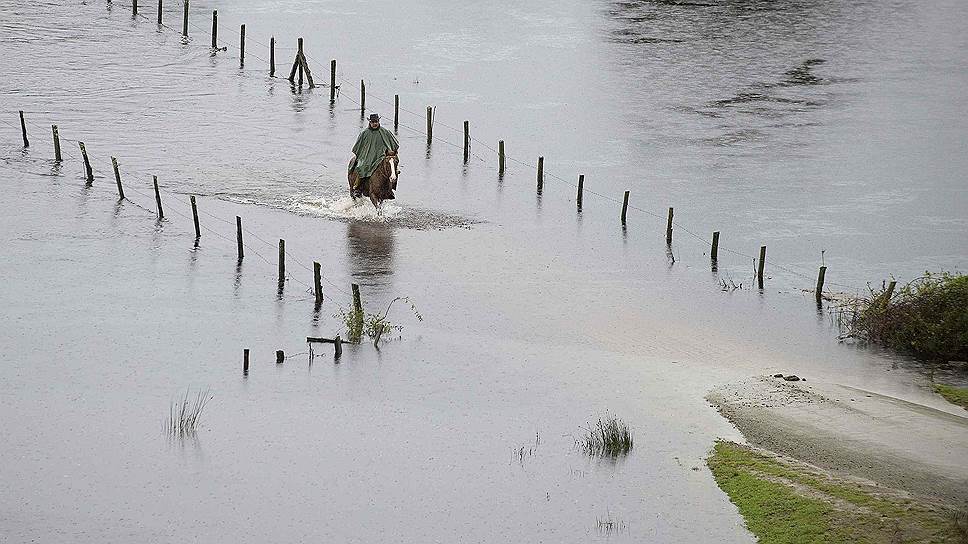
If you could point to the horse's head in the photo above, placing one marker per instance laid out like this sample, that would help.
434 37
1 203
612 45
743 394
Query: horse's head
392 164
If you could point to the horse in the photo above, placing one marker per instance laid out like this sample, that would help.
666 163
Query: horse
381 183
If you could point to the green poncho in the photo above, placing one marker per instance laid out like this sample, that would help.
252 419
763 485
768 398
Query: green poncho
371 147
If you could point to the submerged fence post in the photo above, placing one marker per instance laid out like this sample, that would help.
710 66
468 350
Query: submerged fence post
467 140
198 231
332 80
23 129
134 8
272 56
317 286
159 12
581 189
357 301
242 47
238 236
338 345
87 163
280 356
299 64
500 157
430 125
759 267
215 29
396 112
625 206
362 98
161 212
185 21
540 174
245 362
714 252
117 177
57 150
282 262
820 278
669 228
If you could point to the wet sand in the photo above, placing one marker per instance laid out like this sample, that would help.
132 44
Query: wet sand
900 444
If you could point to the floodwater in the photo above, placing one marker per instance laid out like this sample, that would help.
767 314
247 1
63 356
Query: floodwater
836 127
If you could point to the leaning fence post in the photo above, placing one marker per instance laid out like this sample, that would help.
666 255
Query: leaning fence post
820 278
282 261
238 236
57 149
540 174
185 21
198 231
317 286
759 267
23 129
272 56
87 163
215 29
714 252
625 206
117 177
669 228
242 47
500 157
161 212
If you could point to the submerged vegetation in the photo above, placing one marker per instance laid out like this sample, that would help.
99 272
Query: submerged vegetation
927 318
358 323
785 502
609 437
609 526
184 414
954 395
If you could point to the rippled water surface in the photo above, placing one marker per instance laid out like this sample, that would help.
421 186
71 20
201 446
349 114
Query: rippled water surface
830 132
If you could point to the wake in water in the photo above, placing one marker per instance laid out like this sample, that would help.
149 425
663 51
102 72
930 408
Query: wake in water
344 208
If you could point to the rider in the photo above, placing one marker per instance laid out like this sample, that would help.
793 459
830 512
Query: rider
370 148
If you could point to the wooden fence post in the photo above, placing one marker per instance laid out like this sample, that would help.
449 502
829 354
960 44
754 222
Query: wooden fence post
242 47
317 286
396 112
362 98
467 140
299 64
159 12
185 21
272 56
161 212
57 149
500 157
117 177
198 231
238 236
714 252
581 189
357 301
332 80
759 267
338 345
820 278
87 163
669 228
540 174
282 261
625 206
280 356
23 129
134 8
215 29
245 362
430 125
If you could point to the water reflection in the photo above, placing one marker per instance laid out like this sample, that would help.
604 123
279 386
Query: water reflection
371 248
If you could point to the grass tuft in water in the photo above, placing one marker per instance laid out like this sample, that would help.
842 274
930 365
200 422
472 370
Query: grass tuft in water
609 526
374 326
609 437
184 414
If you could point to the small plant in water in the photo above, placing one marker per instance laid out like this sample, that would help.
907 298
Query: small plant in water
184 414
609 437
527 450
374 326
609 526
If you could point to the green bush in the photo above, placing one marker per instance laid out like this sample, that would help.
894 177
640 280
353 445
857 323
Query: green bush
927 318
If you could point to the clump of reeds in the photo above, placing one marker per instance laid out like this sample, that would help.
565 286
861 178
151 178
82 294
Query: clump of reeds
521 452
185 413
609 526
609 437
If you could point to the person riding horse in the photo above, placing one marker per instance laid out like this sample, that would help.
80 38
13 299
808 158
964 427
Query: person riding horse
373 144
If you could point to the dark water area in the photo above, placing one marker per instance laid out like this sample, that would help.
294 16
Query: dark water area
835 127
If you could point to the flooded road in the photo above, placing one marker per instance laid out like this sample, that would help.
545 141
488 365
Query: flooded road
836 128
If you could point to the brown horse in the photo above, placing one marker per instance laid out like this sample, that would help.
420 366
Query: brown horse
381 183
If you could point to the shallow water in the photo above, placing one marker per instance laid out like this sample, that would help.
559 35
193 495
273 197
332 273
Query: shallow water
837 127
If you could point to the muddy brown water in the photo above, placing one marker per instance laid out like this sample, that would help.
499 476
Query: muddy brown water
836 127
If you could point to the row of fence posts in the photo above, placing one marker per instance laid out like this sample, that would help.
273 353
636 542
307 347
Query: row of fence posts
300 62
